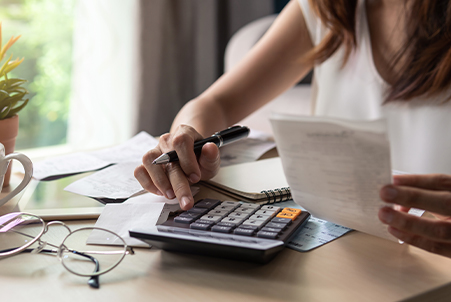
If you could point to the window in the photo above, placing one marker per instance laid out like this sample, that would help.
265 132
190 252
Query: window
46 27
87 104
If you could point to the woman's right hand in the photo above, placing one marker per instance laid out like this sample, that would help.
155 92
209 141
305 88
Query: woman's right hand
174 179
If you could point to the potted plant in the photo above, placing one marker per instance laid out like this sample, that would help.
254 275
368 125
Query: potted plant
12 100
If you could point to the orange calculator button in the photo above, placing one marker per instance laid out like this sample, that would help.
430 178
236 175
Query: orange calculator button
292 210
287 215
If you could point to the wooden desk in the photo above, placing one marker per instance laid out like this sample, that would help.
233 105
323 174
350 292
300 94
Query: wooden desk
356 267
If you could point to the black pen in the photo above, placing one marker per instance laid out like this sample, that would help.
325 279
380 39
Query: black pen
220 139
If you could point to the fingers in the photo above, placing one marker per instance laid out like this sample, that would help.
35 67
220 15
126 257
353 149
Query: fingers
180 185
433 201
209 161
431 235
431 181
174 179
429 229
183 143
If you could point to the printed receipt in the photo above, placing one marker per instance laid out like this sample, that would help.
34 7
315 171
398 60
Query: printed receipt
335 168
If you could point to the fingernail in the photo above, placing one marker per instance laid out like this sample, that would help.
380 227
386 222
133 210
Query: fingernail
389 193
159 193
185 201
386 215
194 178
170 194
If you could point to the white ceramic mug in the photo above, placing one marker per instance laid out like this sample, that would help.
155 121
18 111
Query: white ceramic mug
4 161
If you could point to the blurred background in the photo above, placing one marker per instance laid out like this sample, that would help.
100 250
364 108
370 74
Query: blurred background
99 71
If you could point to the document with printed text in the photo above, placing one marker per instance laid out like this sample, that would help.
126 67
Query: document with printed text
335 168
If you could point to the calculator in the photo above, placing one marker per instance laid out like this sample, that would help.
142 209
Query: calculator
228 229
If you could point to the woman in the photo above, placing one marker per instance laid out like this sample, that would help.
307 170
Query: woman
372 59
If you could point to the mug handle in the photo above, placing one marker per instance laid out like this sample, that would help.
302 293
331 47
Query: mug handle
28 167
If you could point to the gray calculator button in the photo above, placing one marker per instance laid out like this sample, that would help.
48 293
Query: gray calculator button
197 210
276 225
218 212
234 220
265 212
257 223
233 204
200 226
181 219
249 227
250 205
286 221
244 232
190 215
225 208
207 203
260 217
239 215
273 230
264 234
222 229
270 208
244 210
212 218
229 224
205 221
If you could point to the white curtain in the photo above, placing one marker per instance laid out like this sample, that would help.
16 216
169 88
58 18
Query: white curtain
105 73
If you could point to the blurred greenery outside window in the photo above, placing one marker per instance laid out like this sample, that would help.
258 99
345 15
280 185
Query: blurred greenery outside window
46 28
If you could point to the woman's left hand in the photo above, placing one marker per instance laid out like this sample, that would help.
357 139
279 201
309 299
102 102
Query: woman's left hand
428 192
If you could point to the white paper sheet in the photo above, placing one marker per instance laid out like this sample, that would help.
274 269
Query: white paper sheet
247 150
142 211
115 182
131 150
335 168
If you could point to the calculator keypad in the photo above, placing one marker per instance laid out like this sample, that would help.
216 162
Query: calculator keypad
245 219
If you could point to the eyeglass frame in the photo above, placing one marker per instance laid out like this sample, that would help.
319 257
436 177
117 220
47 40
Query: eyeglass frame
127 250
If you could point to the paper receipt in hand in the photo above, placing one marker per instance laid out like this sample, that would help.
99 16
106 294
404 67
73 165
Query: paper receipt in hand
335 168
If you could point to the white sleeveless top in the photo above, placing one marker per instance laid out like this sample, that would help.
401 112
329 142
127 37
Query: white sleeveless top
420 135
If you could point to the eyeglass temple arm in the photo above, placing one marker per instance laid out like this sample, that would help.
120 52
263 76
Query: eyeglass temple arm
93 281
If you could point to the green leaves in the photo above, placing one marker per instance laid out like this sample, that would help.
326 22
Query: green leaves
11 93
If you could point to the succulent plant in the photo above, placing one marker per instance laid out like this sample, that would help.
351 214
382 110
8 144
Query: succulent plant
12 94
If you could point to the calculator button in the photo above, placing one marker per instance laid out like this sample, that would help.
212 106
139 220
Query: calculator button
244 232
274 230
221 213
225 208
229 224
270 235
286 221
266 212
197 210
190 215
260 217
212 218
234 220
276 225
222 229
200 226
250 205
270 208
257 223
207 203
209 222
287 215
181 219
292 210
233 204
239 215
249 227
244 210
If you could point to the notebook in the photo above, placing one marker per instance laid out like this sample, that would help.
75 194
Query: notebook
261 181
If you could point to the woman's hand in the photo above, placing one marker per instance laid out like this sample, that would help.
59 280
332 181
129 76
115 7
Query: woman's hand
428 192
174 179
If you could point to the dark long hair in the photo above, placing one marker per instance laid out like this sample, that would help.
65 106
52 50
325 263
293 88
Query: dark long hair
425 68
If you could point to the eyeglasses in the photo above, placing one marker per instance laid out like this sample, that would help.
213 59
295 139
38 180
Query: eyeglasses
22 233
